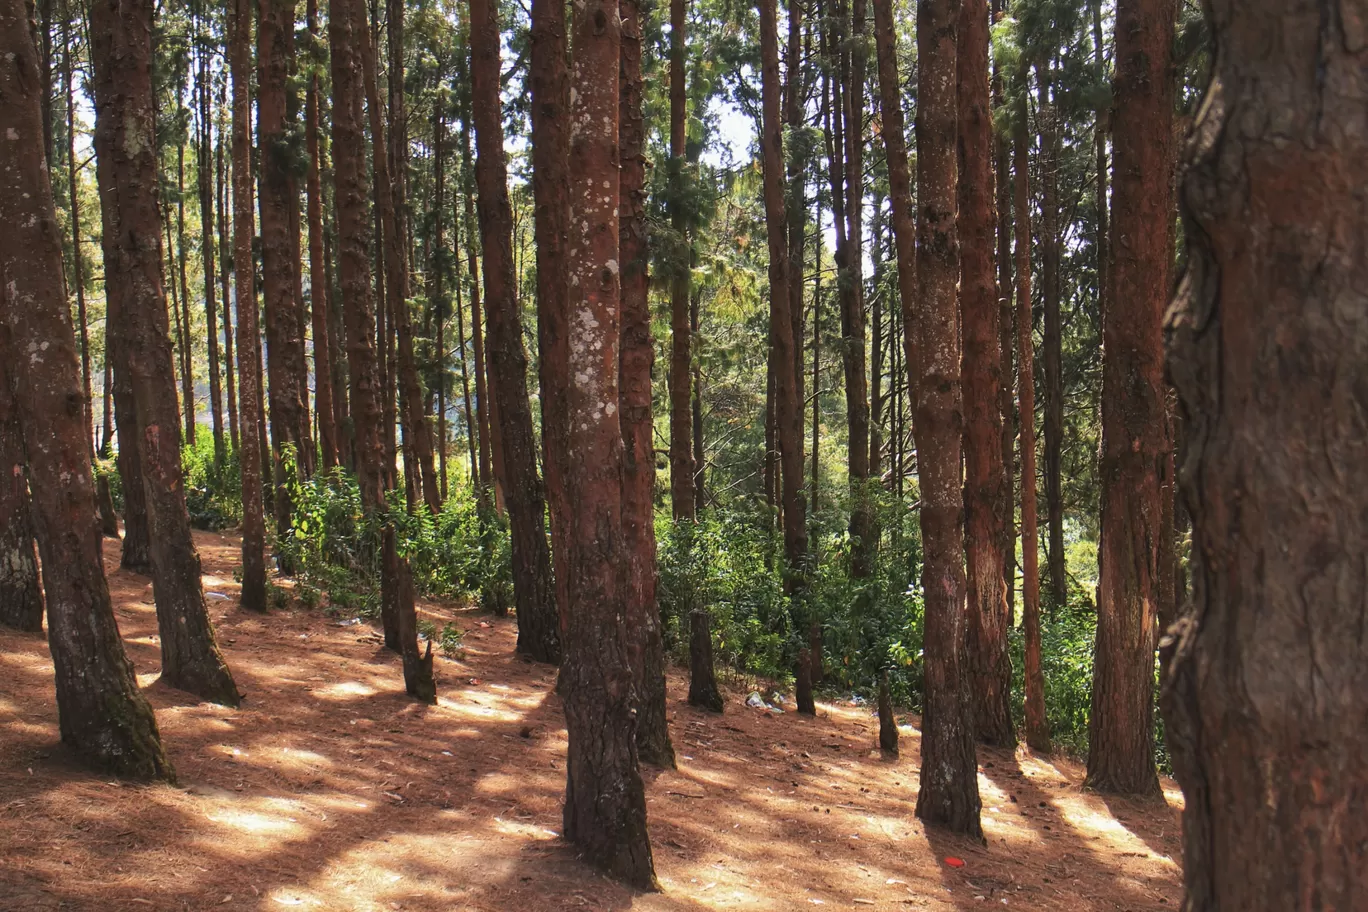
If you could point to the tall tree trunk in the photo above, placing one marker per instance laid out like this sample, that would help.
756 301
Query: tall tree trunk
287 375
796 200
682 467
349 42
187 340
637 358
225 260
472 430
990 667
1002 168
121 55
204 161
853 345
102 715
21 595
1135 439
538 622
74 191
1052 348
320 289
437 302
245 300
1037 726
482 403
789 409
948 795
550 79
899 186
1266 691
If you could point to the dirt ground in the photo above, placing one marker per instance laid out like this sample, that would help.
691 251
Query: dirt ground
330 790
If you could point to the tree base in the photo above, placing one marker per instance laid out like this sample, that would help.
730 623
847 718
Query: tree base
703 690
888 725
802 688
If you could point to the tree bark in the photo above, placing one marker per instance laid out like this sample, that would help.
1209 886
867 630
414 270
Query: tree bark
21 594
1037 726
681 416
121 55
948 795
605 801
1052 347
320 290
899 186
1266 692
78 273
637 359
990 667
1135 439
244 288
205 166
102 715
538 622
789 417
1002 168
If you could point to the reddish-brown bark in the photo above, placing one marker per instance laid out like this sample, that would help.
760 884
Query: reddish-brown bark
605 800
121 54
21 594
538 622
1268 688
990 669
320 292
948 795
1135 438
682 466
1047 117
637 357
101 714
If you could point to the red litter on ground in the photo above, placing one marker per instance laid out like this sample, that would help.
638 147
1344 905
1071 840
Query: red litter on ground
954 862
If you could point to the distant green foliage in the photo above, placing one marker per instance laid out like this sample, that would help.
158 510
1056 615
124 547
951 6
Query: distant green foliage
213 488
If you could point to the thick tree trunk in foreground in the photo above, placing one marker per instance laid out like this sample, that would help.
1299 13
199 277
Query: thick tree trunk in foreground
538 622
248 337
989 665
21 594
1037 726
121 54
605 801
948 795
288 375
1135 439
1268 688
347 40
637 358
789 417
899 187
101 714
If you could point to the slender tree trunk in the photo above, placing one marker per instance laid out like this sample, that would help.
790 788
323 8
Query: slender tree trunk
288 377
121 54
899 187
348 42
204 161
948 795
538 622
320 290
682 467
795 96
637 358
77 256
1037 726
1002 168
482 403
187 340
605 801
437 266
990 667
1053 337
1135 439
244 287
102 715
788 408
1266 690
225 258
21 594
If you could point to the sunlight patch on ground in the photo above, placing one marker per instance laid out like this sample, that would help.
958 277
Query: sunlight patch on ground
343 689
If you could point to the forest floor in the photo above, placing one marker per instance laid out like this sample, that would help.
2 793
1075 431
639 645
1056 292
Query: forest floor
331 790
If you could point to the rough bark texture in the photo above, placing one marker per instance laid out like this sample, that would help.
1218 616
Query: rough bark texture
802 684
989 665
1037 727
789 417
249 340
1267 688
888 722
1135 439
1002 157
21 594
605 801
1051 347
287 390
899 185
348 41
320 291
121 54
948 795
703 690
538 622
102 716
637 358
681 417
